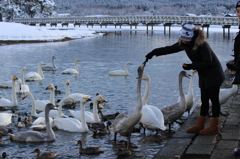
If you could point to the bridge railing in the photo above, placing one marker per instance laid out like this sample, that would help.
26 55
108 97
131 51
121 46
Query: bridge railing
148 20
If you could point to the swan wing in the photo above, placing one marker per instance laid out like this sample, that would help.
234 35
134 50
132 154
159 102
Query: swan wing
118 73
30 136
33 76
5 119
6 84
41 104
68 124
70 71
49 68
77 114
78 96
5 102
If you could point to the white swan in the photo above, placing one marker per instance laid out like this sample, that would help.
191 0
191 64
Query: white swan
75 96
35 76
36 136
152 117
22 87
5 119
71 70
190 95
125 122
6 102
175 111
41 103
72 124
50 68
54 113
91 117
121 72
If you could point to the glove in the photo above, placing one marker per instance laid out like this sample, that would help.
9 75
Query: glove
187 66
150 55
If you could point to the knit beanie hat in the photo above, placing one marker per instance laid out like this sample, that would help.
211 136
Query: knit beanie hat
238 4
187 31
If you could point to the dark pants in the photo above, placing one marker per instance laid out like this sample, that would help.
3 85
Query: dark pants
212 94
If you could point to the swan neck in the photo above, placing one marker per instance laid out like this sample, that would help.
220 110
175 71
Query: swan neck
14 98
40 72
146 93
125 68
181 93
76 66
33 113
49 130
52 96
138 106
83 118
22 77
190 88
67 91
95 111
60 108
53 62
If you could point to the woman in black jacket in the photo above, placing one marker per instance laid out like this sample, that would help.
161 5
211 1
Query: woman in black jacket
211 76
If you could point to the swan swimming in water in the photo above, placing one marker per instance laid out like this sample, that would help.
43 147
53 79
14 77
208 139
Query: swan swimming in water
175 111
4 102
72 124
121 72
152 117
125 122
75 96
36 136
50 68
71 70
35 76
91 117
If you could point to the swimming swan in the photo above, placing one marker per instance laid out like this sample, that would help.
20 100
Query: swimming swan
72 124
125 122
175 111
36 136
121 72
35 76
71 70
22 88
50 68
152 117
6 102
75 96
91 117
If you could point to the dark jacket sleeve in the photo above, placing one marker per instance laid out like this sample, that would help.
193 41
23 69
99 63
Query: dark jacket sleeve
237 52
167 49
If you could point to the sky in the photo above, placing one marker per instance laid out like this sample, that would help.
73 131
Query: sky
11 31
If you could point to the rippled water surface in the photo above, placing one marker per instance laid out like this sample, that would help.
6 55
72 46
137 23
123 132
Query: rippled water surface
98 56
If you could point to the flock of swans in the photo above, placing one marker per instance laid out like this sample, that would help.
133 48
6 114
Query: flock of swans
47 115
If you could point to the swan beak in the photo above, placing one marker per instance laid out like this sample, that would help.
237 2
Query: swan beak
48 87
188 76
25 96
73 101
87 99
102 99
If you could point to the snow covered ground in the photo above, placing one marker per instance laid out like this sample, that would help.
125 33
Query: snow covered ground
21 32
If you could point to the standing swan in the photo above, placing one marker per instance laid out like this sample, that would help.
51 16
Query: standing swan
152 117
91 117
36 136
35 76
125 122
175 111
72 124
121 72
6 102
71 70
50 68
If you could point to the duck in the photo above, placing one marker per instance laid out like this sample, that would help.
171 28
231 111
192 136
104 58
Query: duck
102 131
24 87
175 111
124 151
72 124
35 76
125 122
89 150
152 117
28 118
57 91
72 70
6 103
44 155
5 133
5 119
108 116
121 72
91 117
4 155
36 136
75 96
20 123
50 68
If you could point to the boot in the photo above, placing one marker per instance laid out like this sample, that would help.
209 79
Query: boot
199 126
213 128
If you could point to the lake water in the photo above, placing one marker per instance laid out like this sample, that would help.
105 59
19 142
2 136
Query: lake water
98 56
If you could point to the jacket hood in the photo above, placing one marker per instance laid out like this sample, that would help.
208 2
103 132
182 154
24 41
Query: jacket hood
198 38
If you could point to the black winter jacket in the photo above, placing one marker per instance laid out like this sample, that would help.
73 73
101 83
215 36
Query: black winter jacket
203 59
237 51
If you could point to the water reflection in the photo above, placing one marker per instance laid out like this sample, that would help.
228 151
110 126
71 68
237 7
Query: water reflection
98 56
